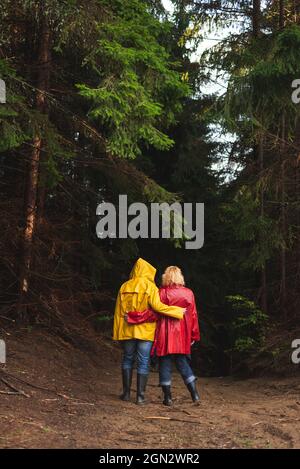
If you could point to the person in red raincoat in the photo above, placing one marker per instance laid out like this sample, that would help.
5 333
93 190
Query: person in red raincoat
173 337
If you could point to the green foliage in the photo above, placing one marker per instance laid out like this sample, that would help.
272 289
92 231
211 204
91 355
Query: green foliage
259 82
139 91
260 234
11 133
55 150
104 318
247 326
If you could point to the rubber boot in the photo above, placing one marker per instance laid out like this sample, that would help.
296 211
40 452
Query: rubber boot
167 395
141 388
193 390
127 379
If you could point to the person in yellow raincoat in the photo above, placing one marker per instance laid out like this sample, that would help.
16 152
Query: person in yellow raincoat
137 294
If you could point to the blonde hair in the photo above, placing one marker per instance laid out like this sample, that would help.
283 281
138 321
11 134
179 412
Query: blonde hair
172 276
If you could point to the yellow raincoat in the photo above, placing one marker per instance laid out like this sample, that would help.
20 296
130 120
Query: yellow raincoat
137 294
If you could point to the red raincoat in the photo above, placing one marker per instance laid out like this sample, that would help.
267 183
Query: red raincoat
172 335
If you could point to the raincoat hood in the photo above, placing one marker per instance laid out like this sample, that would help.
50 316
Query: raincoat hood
142 268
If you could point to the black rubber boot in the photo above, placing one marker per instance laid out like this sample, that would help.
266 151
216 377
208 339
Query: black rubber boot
167 395
193 390
127 379
141 388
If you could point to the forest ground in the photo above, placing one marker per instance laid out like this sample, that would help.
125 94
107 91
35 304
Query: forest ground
78 406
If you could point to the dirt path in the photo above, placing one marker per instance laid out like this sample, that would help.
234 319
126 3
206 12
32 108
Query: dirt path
261 413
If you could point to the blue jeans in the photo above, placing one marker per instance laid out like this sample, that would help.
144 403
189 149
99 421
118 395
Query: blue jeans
139 350
182 364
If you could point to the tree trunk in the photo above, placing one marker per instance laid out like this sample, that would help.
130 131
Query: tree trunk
43 62
296 11
256 26
283 224
297 193
281 14
263 287
283 250
256 18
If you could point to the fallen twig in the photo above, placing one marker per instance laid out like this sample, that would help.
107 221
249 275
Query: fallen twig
171 418
10 393
14 389
7 319
81 403
36 386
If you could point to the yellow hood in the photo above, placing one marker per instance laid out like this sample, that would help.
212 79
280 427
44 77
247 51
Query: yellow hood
143 269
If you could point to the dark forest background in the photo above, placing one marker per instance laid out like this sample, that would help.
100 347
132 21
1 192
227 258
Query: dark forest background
110 97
